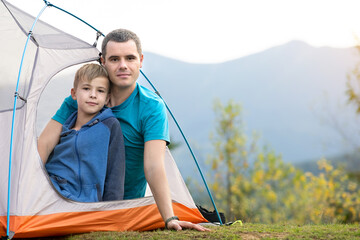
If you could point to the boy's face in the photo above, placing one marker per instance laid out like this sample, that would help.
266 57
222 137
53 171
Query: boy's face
123 63
91 95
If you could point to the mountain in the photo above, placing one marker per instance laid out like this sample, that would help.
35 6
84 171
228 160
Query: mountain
286 92
291 94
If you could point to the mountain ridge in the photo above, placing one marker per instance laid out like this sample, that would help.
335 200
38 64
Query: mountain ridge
286 80
287 94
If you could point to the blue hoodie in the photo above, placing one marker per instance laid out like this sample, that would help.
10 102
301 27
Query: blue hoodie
88 165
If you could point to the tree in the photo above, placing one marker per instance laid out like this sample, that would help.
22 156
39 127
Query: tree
230 160
353 85
353 94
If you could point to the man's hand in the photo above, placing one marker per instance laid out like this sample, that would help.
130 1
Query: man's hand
48 139
180 225
155 174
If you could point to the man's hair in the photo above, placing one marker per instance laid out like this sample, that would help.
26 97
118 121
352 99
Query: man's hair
121 35
88 72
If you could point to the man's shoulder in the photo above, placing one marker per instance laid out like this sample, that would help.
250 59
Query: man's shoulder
148 97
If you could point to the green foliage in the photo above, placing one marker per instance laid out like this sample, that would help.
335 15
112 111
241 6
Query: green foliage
231 158
353 85
269 190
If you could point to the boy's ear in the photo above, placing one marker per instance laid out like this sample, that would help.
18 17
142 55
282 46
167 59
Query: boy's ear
102 60
73 93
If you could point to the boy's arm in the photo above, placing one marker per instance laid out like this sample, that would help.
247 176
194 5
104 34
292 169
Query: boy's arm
155 174
48 139
115 173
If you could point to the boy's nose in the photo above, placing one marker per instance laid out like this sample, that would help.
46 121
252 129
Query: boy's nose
93 94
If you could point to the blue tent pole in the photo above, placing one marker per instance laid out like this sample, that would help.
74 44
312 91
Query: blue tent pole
52 5
13 120
188 145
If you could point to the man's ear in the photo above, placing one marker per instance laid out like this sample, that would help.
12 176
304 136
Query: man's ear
107 99
141 60
73 93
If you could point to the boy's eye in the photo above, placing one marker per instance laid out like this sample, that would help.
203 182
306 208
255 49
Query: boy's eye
86 88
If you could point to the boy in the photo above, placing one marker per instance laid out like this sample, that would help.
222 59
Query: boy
88 164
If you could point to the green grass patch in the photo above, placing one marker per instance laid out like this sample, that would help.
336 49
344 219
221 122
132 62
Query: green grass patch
246 231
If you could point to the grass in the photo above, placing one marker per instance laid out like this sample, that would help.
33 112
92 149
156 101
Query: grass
246 231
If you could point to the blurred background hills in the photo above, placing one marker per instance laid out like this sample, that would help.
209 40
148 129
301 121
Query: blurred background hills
292 95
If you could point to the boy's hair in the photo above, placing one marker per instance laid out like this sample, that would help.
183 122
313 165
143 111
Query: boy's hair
88 72
121 35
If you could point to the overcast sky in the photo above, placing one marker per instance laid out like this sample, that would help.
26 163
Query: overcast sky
209 31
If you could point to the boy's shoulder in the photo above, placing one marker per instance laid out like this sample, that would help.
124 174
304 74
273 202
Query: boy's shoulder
108 119
111 121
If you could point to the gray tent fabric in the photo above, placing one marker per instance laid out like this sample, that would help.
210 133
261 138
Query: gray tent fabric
58 50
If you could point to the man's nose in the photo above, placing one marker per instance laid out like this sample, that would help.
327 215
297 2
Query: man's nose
122 64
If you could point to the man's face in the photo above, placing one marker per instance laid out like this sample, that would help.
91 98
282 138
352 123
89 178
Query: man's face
123 63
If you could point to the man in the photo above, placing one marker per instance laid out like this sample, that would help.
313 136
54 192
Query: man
143 120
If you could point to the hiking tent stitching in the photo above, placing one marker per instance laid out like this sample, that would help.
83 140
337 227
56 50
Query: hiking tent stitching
36 208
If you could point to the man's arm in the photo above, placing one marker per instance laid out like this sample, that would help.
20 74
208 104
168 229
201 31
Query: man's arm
50 136
48 139
155 174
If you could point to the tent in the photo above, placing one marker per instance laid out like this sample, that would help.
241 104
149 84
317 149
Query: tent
29 205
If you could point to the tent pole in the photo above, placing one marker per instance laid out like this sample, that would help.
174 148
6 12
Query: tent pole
52 5
16 96
188 145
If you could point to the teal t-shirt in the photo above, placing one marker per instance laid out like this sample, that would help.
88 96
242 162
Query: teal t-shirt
142 118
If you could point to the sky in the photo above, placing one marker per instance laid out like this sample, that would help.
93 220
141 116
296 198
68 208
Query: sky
209 31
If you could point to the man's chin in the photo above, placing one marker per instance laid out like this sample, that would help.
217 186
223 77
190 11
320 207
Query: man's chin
125 85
